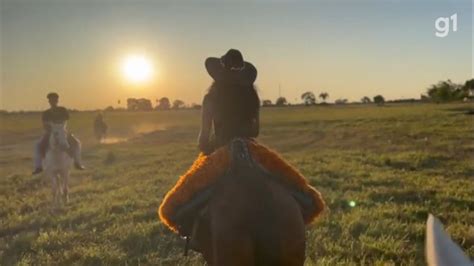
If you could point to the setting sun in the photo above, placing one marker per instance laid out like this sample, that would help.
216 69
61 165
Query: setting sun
137 68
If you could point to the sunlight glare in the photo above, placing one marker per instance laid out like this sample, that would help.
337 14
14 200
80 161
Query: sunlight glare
137 68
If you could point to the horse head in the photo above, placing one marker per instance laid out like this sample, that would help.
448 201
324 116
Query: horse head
58 136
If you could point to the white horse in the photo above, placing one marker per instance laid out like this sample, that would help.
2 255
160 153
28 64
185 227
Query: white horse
57 163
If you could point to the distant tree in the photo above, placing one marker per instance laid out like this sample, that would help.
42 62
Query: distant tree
163 104
196 106
266 103
177 104
445 91
109 109
424 98
132 104
341 101
144 104
141 104
365 99
324 96
379 99
308 98
468 87
281 101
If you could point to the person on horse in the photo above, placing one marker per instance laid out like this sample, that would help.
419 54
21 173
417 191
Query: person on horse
100 127
232 107
232 103
59 115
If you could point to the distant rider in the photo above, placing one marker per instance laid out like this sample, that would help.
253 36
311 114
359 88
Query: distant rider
100 127
59 115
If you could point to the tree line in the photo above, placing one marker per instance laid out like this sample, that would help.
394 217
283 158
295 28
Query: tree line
443 91
448 91
143 104
309 98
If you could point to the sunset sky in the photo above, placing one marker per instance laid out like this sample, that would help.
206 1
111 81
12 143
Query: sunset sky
349 49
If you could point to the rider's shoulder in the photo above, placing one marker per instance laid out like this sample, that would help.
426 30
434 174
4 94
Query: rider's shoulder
58 109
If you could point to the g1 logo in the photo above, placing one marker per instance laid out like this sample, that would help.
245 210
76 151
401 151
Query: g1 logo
442 25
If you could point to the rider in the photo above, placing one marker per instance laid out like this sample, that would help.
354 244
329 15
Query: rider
100 127
232 106
232 103
55 114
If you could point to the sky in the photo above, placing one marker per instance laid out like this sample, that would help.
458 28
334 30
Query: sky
349 48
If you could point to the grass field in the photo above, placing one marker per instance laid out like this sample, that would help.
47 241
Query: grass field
397 163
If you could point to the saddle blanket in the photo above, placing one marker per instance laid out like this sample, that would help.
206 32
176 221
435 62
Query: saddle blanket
207 169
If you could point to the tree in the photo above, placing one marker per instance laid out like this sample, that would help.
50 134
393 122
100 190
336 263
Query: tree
132 104
144 104
281 101
379 99
196 106
308 98
177 104
163 104
324 96
468 87
266 103
341 101
141 104
445 91
365 99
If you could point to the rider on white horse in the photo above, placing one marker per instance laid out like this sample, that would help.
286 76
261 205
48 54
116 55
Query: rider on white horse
59 115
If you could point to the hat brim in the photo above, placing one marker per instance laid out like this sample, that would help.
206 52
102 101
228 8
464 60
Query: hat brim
216 70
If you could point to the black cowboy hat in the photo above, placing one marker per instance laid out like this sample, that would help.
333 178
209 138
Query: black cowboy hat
52 95
231 66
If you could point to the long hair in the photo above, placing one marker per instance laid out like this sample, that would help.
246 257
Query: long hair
234 101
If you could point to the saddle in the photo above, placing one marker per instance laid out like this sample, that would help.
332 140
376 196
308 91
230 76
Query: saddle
188 198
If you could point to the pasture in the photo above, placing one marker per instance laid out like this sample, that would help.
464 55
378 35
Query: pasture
381 171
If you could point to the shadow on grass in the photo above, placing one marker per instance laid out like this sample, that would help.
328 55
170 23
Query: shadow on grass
467 110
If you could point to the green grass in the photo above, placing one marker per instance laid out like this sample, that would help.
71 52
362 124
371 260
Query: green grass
397 163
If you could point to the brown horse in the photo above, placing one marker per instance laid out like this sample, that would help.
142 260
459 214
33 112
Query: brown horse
250 218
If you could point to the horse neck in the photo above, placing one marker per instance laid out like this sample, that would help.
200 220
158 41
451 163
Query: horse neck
52 148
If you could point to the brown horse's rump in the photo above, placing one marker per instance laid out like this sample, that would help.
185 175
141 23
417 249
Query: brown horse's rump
207 170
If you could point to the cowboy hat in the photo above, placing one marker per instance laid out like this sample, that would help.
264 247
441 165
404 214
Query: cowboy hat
231 66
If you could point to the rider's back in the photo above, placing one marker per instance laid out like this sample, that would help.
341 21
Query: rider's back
235 107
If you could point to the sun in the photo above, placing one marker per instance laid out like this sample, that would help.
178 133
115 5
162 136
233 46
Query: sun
137 68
